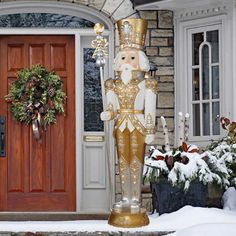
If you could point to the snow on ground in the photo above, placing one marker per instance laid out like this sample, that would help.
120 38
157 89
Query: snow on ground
208 229
189 216
186 217
229 199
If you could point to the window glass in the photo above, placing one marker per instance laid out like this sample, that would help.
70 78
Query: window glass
205 71
196 91
196 119
213 39
216 118
44 20
215 82
197 39
206 119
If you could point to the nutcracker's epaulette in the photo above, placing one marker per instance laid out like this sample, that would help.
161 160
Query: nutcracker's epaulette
109 84
117 81
151 84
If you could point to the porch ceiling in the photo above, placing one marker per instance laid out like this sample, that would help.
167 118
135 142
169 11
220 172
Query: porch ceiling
174 5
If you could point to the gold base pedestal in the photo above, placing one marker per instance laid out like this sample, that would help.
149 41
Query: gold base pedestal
128 219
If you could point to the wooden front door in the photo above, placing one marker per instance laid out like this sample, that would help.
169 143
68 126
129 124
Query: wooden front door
38 176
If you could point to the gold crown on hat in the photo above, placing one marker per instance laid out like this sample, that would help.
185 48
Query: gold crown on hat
132 33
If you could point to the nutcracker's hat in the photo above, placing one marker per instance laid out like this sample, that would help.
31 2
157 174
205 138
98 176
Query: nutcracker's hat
132 33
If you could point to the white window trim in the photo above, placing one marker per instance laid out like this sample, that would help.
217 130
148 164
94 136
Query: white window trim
181 66
190 32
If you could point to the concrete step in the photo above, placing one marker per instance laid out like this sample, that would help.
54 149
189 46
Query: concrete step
85 233
50 216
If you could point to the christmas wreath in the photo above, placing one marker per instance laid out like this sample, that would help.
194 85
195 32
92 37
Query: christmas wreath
36 97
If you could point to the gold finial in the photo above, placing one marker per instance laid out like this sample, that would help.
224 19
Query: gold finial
100 44
98 28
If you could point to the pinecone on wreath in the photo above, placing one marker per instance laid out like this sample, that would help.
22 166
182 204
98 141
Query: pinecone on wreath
51 91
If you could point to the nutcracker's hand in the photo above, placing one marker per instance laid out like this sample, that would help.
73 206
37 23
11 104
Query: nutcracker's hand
106 115
149 138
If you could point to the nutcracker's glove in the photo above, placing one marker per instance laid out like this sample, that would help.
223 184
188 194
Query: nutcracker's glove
106 115
149 138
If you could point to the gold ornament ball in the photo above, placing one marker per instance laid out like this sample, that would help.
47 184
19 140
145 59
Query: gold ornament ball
98 28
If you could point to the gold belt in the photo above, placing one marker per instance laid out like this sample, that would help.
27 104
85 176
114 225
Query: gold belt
130 111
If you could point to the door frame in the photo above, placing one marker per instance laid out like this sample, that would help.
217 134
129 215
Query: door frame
79 98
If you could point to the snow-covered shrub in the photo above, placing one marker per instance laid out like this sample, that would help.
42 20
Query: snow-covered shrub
222 156
183 166
222 153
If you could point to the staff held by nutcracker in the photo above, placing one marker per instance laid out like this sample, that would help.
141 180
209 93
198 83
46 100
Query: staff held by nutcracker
100 44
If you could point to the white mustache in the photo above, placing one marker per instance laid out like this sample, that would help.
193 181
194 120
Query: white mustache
126 67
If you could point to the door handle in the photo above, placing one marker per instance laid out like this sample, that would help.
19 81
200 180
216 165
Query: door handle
2 136
2 141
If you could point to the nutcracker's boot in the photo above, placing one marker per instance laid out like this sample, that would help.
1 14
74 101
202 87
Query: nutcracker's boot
124 204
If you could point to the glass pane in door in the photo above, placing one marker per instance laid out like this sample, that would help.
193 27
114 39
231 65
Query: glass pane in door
92 93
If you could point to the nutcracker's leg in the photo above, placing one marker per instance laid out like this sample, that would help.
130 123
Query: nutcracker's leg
136 169
122 141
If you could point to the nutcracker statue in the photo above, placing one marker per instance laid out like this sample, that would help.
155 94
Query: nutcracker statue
131 102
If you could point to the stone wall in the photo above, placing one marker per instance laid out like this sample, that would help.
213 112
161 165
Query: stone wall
160 50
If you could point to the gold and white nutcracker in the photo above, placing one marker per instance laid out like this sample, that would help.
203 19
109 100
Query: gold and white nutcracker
131 101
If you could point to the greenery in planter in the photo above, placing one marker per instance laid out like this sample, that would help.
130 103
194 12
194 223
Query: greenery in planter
185 165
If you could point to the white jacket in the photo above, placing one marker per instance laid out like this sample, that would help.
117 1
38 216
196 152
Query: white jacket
133 105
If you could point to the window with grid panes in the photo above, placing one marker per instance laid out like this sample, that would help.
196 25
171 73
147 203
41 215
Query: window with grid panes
205 81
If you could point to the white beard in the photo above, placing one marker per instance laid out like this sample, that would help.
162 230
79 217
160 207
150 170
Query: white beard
126 73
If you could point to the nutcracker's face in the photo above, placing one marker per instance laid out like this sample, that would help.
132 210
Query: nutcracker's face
131 59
